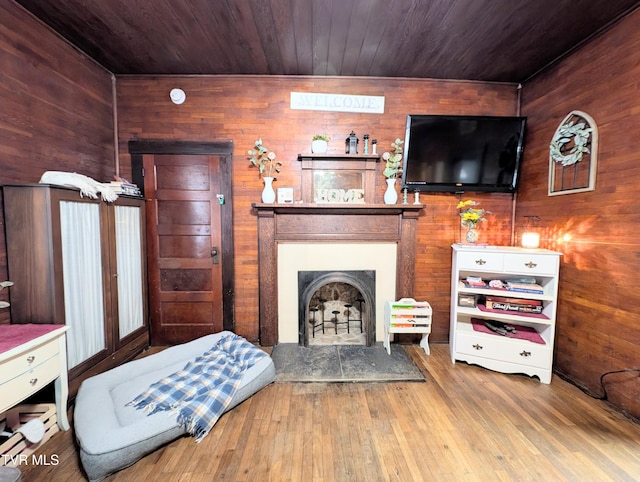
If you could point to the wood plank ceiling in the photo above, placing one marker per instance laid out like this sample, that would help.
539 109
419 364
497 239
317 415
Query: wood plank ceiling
487 40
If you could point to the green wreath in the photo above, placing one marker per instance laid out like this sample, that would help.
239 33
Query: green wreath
579 133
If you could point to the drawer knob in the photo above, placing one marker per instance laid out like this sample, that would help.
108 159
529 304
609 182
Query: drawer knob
525 353
478 347
33 381
480 261
531 264
30 359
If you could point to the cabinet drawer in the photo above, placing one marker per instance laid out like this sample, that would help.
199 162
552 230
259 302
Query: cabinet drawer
525 264
485 261
504 349
29 382
26 361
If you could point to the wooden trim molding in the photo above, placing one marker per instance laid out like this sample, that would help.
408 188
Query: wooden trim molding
364 223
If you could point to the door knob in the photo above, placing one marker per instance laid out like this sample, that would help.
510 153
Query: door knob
214 255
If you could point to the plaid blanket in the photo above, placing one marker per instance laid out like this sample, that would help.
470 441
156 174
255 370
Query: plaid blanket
200 392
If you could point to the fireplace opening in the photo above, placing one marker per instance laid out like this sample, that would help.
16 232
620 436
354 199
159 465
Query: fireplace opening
336 307
336 316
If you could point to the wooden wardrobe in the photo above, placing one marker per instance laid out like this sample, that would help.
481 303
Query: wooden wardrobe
81 262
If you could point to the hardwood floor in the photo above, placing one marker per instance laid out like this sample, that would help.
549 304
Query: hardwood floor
463 423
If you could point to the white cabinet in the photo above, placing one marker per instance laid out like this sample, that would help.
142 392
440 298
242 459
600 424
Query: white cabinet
29 365
523 315
82 263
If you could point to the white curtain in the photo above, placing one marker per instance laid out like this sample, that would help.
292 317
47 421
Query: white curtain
129 256
82 272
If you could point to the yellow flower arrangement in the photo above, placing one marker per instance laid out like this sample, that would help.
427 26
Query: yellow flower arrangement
470 214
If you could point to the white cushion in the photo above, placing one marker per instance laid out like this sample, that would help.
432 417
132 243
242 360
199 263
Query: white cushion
112 435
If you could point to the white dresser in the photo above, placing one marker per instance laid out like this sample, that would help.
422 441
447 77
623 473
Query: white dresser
527 345
31 357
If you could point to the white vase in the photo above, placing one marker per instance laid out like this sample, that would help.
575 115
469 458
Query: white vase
319 146
390 195
472 235
268 194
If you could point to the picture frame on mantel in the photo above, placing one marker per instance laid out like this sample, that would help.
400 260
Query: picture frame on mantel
285 195
573 155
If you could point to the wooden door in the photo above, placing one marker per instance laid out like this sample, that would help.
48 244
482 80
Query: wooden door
188 255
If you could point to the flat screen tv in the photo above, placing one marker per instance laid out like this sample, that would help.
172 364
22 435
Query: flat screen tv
462 153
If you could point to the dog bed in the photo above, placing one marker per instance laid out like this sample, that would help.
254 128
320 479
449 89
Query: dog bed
113 435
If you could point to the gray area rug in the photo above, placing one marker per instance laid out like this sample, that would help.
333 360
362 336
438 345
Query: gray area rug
343 363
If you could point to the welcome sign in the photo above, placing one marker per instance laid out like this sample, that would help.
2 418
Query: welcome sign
370 104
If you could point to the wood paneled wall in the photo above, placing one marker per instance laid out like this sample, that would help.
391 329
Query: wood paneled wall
244 108
57 114
57 109
599 309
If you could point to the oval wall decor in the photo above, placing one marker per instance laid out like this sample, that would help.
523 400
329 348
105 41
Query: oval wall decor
573 154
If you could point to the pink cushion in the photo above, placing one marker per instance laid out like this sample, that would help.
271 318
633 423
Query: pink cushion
12 336
522 332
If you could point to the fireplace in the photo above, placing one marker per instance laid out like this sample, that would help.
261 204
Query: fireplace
379 259
316 237
339 302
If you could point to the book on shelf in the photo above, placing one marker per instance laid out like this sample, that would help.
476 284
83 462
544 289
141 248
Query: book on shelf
540 316
414 306
519 301
409 325
525 287
122 186
403 321
410 315
513 304
474 282
521 280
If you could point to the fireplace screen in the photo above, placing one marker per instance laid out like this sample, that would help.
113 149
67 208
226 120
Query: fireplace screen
336 307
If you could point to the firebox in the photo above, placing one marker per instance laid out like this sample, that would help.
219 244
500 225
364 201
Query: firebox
333 257
336 301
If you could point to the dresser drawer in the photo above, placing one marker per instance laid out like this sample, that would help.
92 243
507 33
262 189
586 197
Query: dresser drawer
30 381
485 261
28 360
504 349
525 264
